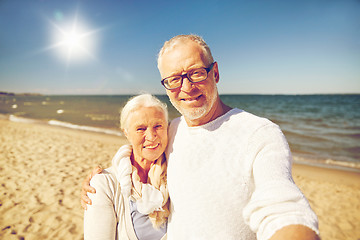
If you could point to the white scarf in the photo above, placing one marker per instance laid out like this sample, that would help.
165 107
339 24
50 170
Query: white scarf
150 198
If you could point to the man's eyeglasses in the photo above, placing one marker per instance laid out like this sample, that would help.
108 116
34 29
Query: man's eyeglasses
194 76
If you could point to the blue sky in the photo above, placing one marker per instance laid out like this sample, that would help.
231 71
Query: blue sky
266 47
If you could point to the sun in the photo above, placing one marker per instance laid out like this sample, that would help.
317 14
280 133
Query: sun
74 41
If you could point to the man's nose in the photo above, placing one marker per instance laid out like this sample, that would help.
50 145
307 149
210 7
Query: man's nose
186 86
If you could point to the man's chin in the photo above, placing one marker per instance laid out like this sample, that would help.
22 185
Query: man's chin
194 113
190 112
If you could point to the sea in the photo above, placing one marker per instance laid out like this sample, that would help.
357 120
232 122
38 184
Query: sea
321 130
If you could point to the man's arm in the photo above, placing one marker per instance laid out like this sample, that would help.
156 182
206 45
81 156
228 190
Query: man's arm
277 208
295 232
87 188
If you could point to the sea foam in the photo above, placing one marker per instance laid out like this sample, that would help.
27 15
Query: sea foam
85 128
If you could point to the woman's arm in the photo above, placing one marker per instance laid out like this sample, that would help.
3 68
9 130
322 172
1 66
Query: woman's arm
100 220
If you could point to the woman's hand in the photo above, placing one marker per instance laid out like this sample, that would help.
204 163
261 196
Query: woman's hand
84 199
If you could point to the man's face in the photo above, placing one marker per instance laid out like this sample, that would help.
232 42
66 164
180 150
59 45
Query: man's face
195 101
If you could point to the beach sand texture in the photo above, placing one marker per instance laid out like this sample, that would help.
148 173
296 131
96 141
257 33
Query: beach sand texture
41 169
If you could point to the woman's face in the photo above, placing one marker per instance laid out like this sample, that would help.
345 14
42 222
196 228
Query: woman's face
147 133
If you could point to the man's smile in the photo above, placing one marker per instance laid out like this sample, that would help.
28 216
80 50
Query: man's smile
191 98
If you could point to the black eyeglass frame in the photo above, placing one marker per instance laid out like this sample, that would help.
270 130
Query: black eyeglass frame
208 69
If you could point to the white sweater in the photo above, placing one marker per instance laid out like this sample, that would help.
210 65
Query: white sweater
231 179
109 216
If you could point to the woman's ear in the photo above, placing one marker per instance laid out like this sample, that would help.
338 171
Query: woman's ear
125 132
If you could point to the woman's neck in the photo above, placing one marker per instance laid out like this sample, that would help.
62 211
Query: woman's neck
143 166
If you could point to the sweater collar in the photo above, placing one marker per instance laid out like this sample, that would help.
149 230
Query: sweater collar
212 125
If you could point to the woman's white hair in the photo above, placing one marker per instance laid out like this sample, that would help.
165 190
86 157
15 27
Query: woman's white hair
137 102
168 45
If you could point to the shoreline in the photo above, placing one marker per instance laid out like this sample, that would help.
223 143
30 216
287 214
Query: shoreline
42 167
344 176
320 164
297 158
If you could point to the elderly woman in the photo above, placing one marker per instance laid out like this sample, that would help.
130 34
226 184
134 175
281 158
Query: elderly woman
132 200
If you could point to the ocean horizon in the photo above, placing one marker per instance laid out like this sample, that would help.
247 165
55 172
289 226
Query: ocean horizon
322 129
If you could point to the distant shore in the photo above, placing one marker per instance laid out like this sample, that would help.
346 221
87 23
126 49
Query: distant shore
42 167
19 94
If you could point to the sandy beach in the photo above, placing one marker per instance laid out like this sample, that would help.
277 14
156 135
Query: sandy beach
42 168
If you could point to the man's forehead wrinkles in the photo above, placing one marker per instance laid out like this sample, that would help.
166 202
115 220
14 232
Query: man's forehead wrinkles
187 69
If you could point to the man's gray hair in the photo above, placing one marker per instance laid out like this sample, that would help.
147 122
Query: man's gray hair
173 41
137 102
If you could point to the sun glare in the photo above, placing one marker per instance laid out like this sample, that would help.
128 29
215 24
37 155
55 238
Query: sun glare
74 41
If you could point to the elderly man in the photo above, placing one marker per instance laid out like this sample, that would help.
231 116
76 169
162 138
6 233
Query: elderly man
229 172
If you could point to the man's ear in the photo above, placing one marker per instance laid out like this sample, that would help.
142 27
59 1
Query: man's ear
216 72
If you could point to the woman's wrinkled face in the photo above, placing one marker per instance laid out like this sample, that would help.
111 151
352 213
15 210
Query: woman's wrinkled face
147 133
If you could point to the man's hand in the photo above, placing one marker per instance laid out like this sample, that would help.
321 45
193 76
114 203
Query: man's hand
87 188
295 232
